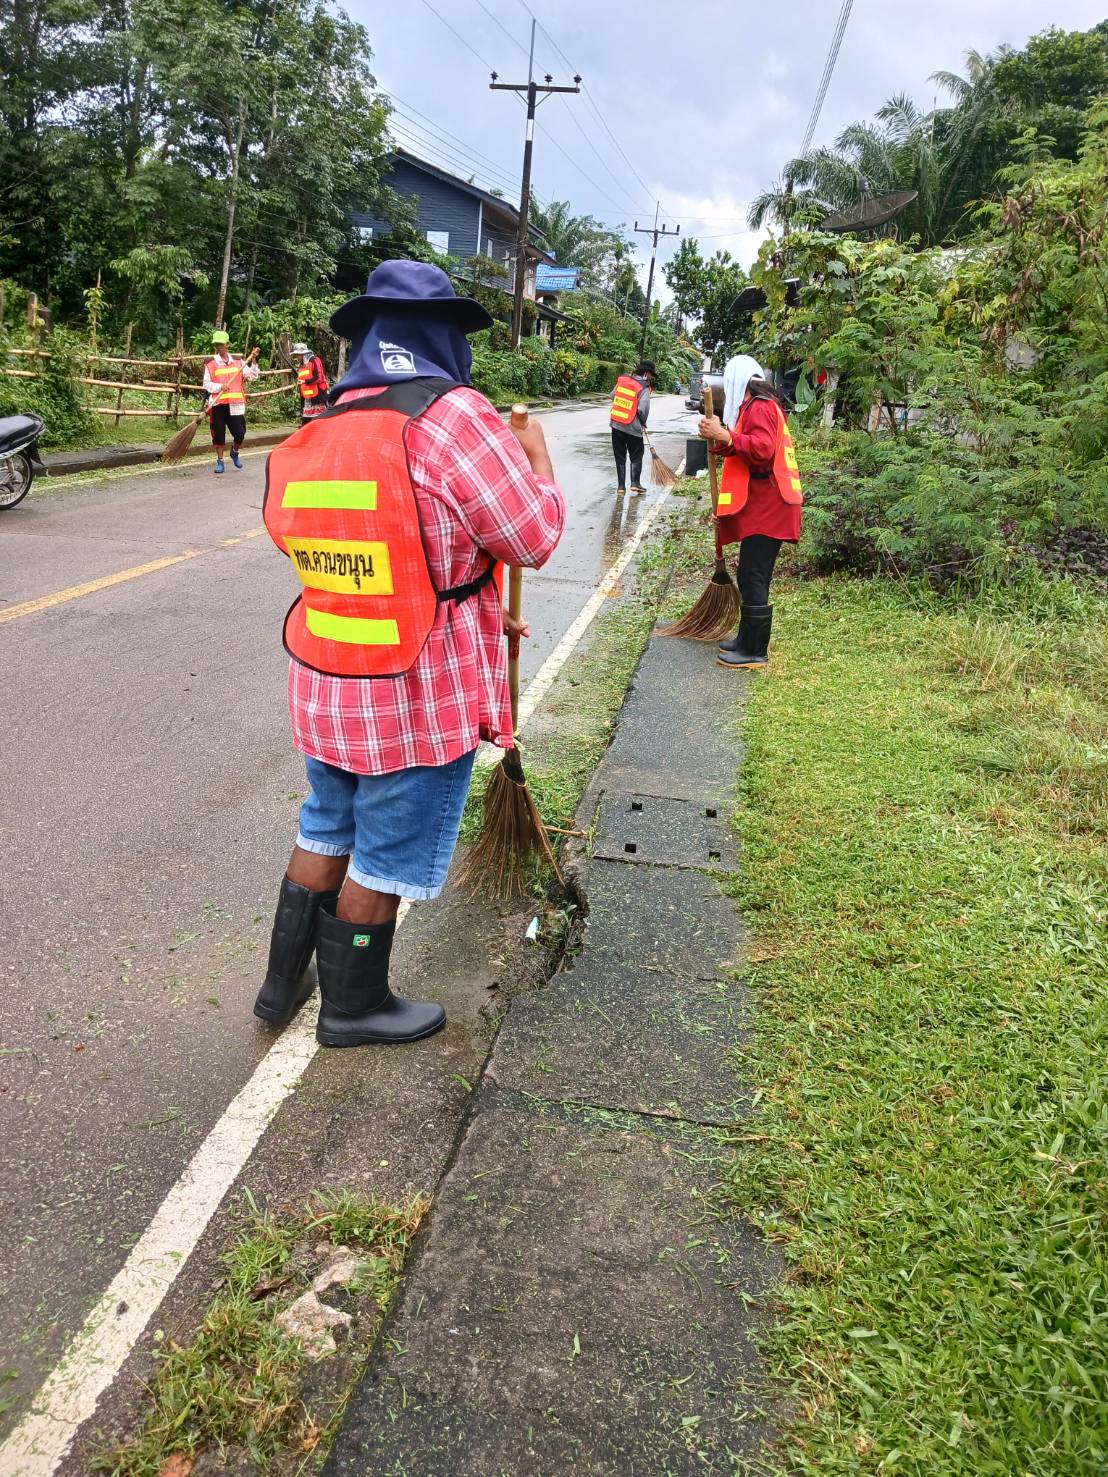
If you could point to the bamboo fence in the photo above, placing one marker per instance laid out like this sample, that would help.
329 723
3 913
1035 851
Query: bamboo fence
172 388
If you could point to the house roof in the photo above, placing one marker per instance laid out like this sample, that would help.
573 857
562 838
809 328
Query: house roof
494 205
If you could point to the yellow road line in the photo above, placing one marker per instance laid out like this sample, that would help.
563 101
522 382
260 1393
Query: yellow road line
76 592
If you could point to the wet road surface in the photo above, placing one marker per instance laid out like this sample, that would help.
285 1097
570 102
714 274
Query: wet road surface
150 795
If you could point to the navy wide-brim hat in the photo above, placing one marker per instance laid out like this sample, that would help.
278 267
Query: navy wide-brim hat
409 287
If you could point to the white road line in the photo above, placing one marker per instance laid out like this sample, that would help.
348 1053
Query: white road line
97 1352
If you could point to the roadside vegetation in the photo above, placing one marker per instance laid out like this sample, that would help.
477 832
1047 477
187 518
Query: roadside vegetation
923 804
926 879
243 1388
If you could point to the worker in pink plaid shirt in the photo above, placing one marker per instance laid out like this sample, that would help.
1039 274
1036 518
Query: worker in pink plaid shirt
389 758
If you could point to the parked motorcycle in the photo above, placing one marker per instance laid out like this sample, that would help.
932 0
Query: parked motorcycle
19 459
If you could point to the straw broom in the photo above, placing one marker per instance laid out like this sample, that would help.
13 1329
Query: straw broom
662 474
717 610
512 831
177 447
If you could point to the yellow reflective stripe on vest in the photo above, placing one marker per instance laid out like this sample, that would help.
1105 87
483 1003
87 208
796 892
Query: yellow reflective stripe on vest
362 495
724 500
343 567
351 629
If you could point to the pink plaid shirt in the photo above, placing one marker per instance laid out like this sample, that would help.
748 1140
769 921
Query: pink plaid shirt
477 496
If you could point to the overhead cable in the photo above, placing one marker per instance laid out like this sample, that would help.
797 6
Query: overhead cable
487 66
828 71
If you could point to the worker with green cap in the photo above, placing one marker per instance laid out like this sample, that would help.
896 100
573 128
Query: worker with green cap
224 374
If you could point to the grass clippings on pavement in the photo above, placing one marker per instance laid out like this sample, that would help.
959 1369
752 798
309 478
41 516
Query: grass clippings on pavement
242 1388
924 818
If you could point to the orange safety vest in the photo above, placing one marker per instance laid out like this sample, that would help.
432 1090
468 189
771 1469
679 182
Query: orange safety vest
339 502
229 376
735 483
625 400
313 370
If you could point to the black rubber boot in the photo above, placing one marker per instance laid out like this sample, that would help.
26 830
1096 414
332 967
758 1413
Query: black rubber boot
357 1005
290 979
749 647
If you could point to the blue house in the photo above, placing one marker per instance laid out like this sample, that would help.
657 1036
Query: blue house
463 221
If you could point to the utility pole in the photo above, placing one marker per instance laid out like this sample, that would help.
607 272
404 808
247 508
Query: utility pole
529 90
656 233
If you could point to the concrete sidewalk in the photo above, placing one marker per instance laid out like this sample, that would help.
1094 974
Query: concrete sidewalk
577 1303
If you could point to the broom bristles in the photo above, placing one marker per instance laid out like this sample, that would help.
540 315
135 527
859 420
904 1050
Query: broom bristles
512 833
177 446
714 614
664 475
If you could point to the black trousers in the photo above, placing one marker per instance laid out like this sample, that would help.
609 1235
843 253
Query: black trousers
757 556
221 419
626 446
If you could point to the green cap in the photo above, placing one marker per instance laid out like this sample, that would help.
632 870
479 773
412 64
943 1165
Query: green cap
220 337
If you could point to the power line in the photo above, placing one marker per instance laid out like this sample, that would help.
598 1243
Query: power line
613 176
459 158
565 155
828 70
458 34
588 98
501 26
438 128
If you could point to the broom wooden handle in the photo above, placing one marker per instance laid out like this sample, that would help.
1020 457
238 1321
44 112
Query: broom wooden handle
515 610
520 420
713 470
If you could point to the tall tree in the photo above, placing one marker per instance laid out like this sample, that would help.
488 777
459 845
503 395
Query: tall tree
707 290
578 241
952 155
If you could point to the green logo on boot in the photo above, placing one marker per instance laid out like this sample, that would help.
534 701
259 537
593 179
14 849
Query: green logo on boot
361 940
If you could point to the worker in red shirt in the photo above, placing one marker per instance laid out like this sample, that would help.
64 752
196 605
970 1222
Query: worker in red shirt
759 499
394 509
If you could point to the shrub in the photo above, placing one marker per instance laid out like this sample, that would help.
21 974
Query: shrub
56 395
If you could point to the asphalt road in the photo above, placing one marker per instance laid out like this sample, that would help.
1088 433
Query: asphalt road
150 794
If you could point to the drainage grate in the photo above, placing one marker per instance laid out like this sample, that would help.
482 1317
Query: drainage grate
666 832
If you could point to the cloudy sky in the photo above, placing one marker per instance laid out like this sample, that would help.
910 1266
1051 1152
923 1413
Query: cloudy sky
707 98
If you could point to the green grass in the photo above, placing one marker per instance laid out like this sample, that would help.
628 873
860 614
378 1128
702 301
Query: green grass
925 826
238 1382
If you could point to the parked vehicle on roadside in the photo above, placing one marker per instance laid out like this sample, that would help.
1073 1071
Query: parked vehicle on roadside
19 459
697 382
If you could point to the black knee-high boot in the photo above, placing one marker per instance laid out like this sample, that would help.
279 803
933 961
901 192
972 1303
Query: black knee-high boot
290 980
749 647
357 1006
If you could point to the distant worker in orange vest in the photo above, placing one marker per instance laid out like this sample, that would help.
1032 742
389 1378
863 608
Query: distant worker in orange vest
224 374
760 499
630 410
311 381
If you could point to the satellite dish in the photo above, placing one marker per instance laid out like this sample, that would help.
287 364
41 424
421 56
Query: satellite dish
753 299
869 212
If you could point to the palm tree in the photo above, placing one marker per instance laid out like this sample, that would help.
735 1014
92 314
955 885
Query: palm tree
946 155
575 240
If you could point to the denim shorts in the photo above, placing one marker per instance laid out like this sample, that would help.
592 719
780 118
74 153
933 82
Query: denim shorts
398 829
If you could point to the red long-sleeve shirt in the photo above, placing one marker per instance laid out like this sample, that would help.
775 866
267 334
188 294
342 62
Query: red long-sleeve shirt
754 438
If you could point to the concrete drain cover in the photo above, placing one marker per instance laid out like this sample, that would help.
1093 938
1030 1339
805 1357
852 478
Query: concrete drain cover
668 833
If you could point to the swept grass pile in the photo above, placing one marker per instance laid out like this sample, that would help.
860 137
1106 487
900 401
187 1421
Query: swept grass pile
926 875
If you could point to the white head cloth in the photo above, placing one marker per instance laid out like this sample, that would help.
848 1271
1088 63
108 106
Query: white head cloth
737 374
